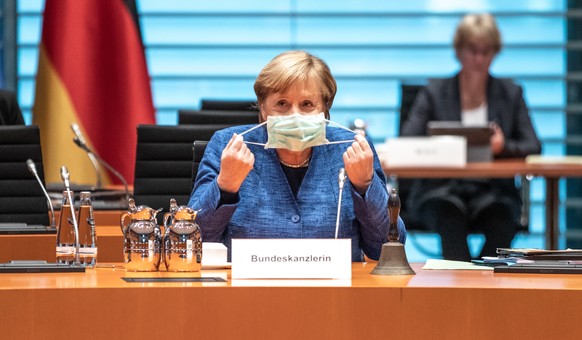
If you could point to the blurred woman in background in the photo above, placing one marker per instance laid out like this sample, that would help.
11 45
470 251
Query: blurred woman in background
455 207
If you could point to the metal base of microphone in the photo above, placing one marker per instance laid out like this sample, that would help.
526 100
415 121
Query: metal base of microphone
393 261
27 266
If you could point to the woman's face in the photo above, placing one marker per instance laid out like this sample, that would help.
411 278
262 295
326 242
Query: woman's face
298 98
476 57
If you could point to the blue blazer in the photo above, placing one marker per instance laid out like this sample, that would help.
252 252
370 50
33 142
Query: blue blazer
267 208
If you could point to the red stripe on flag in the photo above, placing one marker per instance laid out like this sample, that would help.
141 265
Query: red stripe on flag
97 52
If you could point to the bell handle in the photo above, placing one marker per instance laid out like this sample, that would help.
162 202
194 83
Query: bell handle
393 212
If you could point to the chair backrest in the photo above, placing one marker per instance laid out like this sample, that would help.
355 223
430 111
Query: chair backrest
203 117
21 198
228 105
163 167
408 95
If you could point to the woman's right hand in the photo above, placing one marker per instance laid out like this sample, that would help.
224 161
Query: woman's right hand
235 164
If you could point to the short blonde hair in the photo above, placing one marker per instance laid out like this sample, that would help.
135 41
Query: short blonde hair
478 26
292 67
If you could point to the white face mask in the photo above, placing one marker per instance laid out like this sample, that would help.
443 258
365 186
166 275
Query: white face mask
297 132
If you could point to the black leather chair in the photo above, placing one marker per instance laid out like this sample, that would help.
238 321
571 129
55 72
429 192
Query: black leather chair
163 167
164 163
228 105
204 117
21 198
408 95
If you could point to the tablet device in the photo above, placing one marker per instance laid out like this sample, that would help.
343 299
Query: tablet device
478 137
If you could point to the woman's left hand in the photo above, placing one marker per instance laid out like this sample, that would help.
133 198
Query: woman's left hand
497 139
359 164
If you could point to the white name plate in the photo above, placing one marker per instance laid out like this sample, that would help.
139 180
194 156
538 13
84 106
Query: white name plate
445 151
291 259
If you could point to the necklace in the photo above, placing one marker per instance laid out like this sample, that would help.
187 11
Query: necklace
302 164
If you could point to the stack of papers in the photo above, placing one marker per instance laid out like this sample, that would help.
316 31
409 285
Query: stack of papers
519 260
540 254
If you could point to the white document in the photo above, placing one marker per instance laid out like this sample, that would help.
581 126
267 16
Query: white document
438 151
214 255
291 259
452 265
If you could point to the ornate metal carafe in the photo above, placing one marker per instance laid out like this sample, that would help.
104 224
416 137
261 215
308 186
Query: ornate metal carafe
142 244
182 240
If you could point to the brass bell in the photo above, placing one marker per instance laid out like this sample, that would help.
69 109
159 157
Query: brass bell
393 259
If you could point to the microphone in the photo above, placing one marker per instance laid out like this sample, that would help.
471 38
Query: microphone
65 177
79 135
32 168
341 182
81 143
342 178
359 126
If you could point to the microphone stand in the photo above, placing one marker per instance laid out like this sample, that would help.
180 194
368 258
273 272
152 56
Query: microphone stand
84 146
341 182
91 155
65 177
32 169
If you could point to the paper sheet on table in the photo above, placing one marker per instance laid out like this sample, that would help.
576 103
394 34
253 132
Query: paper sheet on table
539 159
452 265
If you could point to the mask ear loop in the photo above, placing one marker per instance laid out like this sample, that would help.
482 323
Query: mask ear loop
342 127
251 129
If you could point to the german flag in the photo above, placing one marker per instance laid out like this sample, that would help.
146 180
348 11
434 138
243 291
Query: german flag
92 72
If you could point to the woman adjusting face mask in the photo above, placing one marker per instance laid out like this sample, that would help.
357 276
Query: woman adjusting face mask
279 179
295 115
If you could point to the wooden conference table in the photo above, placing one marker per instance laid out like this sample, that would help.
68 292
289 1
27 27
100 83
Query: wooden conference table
42 246
506 169
433 304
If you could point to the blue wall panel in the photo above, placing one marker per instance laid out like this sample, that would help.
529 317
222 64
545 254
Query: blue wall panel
188 93
27 61
545 93
222 6
208 62
216 30
429 6
382 30
28 29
